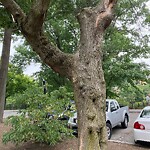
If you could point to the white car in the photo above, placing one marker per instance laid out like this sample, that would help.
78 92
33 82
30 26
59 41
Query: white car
142 126
115 114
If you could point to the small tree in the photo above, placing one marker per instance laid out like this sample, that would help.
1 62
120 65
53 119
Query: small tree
41 120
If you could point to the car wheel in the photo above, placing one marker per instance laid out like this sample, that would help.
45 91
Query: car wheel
124 124
136 142
109 130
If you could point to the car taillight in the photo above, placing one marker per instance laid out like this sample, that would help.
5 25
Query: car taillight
137 125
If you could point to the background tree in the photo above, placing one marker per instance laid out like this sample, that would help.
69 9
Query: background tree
125 41
6 23
17 83
4 69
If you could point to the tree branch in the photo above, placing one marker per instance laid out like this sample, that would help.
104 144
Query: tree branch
15 10
37 15
104 11
31 28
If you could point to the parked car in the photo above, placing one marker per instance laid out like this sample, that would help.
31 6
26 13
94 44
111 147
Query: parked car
115 114
142 126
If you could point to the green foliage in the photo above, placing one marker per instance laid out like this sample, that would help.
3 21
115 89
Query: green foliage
138 105
33 122
17 81
145 88
120 49
6 20
24 56
131 95
123 102
61 26
124 42
123 74
134 98
132 104
53 80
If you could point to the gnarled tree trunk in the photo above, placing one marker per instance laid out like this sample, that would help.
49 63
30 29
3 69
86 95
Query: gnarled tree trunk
89 84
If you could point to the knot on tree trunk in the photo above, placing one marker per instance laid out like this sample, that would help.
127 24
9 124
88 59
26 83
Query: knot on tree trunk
94 129
91 116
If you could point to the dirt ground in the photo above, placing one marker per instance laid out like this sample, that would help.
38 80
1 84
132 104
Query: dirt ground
70 144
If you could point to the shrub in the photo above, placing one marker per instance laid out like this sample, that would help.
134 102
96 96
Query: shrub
34 123
123 102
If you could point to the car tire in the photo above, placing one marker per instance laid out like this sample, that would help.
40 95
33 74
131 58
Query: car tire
124 124
109 130
136 142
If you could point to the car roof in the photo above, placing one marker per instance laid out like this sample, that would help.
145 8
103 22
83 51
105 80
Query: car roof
110 100
147 107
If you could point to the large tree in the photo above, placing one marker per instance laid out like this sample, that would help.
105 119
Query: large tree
83 68
123 42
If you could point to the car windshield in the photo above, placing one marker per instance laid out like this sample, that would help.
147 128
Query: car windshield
145 113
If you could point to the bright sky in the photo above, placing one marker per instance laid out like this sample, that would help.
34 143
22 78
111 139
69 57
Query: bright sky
30 69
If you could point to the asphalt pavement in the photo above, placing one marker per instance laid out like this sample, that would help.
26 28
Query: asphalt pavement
8 113
125 135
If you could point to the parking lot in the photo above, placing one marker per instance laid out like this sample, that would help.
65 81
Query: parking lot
125 135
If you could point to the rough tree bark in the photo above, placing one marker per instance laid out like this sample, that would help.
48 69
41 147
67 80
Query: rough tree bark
84 68
4 69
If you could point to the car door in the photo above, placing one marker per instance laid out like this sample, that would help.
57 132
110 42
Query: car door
114 113
119 113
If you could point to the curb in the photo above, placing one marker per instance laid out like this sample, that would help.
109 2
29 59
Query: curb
122 142
135 110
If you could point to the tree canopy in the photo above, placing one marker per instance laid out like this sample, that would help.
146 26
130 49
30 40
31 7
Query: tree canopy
125 40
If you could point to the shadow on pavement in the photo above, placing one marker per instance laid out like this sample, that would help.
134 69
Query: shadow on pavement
143 144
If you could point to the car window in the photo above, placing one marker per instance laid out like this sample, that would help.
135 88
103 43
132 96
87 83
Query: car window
117 107
145 113
106 106
112 106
